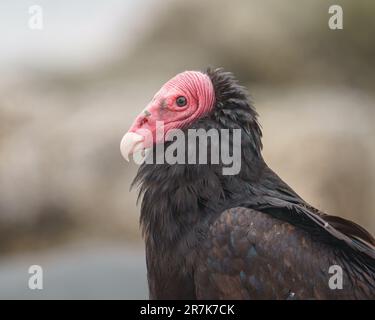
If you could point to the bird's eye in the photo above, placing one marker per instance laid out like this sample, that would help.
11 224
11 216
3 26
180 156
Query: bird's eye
181 101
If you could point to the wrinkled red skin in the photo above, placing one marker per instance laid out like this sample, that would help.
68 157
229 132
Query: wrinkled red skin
195 86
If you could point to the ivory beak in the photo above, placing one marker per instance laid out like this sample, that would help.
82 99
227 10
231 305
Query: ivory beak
131 143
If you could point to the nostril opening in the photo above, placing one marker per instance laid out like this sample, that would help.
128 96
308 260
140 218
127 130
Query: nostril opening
143 121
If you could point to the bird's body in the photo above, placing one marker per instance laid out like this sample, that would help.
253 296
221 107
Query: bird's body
244 236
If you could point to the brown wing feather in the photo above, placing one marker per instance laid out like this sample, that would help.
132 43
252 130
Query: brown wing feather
251 255
350 229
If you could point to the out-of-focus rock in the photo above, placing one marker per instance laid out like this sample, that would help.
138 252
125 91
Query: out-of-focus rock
266 42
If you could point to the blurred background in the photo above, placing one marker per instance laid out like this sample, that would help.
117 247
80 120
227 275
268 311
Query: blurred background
69 91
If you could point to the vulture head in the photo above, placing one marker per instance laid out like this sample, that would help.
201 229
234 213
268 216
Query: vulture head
213 99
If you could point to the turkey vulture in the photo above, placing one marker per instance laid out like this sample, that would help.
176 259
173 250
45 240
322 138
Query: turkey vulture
211 235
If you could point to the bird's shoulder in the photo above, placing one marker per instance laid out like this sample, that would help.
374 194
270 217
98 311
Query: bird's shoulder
240 224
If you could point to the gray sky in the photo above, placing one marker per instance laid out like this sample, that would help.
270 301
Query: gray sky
75 33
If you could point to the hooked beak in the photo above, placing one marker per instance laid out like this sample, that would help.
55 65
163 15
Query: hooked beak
139 137
131 143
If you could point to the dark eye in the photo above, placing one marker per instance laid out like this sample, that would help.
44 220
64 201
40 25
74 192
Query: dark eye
181 101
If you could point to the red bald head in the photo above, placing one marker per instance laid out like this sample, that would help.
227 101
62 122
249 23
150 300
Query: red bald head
182 100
